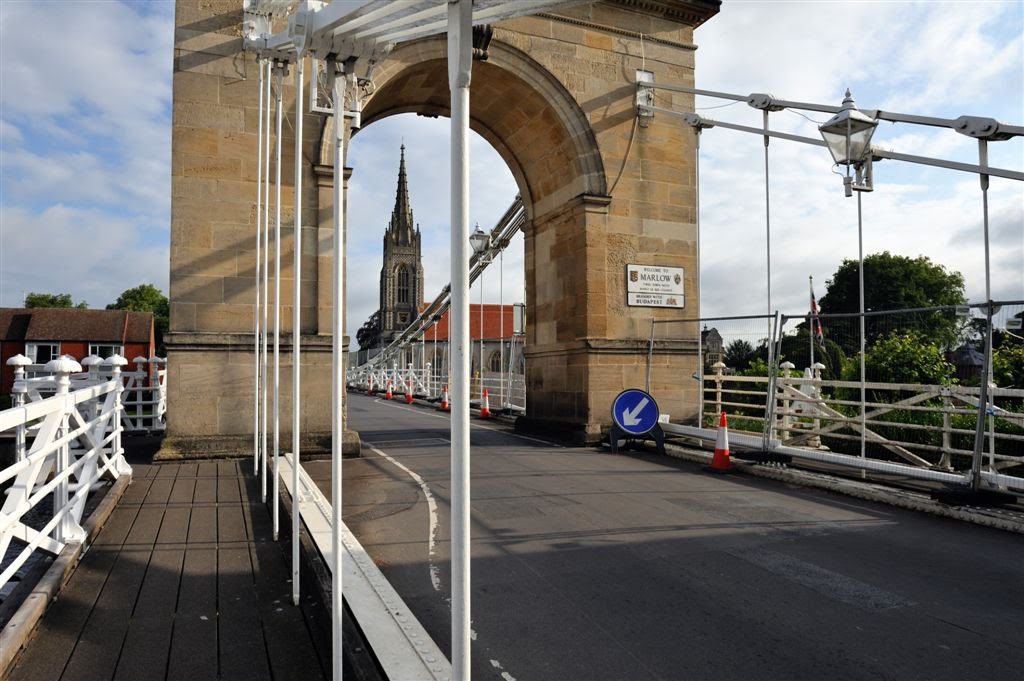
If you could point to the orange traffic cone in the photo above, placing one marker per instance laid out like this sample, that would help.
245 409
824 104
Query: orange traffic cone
444 399
388 395
408 391
485 407
369 388
720 461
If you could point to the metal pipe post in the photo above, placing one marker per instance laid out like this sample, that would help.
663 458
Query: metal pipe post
481 332
277 300
767 215
265 228
700 351
986 373
297 326
863 341
501 327
259 274
460 64
337 370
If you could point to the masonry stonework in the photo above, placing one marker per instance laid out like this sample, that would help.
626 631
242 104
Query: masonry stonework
555 98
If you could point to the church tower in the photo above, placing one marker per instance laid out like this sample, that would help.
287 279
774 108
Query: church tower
401 277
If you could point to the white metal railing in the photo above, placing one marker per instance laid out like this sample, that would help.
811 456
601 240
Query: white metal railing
145 390
506 391
927 427
65 443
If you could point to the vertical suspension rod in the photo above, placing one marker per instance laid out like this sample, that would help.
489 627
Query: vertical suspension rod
280 68
297 327
265 229
459 71
259 274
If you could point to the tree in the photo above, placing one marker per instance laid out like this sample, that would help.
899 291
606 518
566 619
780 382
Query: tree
367 334
147 298
905 358
1008 366
796 348
142 298
894 282
52 300
738 354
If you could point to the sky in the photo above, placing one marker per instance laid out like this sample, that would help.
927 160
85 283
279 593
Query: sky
85 153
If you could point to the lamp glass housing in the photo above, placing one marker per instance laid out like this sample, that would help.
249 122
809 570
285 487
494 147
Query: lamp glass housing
478 240
848 134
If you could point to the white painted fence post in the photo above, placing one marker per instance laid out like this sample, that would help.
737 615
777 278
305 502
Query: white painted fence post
818 401
120 464
138 385
91 363
719 367
18 390
787 420
67 529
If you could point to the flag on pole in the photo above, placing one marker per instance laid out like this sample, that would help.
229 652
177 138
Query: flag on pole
819 333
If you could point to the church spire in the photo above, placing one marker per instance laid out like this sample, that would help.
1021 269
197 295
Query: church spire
401 227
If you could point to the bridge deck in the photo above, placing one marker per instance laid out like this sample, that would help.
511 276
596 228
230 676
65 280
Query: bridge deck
183 582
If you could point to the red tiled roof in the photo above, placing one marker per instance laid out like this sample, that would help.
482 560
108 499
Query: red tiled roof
73 324
492 323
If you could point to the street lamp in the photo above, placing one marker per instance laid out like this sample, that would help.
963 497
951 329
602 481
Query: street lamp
848 136
480 241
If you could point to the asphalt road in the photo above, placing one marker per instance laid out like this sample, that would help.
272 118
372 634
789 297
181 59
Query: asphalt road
593 566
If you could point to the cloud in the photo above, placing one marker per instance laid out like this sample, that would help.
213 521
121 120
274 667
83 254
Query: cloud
84 252
86 139
85 133
914 210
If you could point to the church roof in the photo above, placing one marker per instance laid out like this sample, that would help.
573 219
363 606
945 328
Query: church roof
401 226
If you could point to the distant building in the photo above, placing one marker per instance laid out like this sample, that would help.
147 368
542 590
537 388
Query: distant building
401 295
494 330
967 361
43 333
711 346
401 277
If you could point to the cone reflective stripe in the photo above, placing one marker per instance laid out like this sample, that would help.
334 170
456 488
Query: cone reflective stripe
720 461
388 395
444 398
408 391
485 408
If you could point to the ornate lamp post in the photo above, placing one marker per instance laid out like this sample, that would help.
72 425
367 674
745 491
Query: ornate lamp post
848 136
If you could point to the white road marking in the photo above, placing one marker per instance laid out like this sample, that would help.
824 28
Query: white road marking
435 571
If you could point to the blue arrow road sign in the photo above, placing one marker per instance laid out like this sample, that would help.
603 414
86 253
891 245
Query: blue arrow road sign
635 411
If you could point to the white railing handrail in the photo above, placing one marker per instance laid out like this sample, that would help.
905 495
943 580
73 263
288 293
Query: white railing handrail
75 442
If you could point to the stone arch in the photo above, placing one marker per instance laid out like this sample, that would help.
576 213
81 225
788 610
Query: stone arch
602 189
545 138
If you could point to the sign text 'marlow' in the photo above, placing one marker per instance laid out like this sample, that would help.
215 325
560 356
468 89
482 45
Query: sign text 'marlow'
654 286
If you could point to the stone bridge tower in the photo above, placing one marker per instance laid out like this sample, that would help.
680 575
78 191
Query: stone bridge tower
602 189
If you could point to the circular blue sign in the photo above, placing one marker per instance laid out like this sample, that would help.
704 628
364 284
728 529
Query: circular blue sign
635 411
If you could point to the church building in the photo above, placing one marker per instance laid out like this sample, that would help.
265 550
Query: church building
401 277
497 346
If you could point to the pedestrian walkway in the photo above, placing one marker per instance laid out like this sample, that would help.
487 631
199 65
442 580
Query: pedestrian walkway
183 582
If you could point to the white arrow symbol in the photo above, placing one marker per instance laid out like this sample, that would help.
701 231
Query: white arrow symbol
629 418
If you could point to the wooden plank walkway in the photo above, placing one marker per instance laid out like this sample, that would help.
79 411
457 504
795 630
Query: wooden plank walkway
183 582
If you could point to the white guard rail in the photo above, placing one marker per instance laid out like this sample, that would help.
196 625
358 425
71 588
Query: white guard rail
405 650
145 390
77 441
